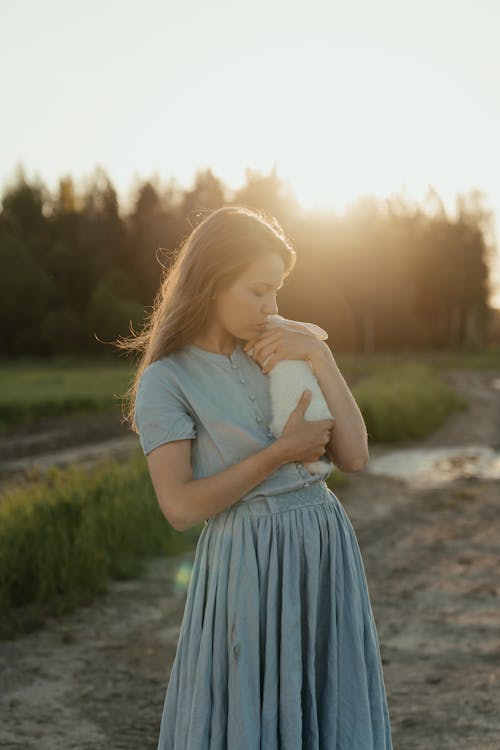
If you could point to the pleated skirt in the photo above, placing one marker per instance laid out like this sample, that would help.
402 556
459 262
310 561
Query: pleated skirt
278 648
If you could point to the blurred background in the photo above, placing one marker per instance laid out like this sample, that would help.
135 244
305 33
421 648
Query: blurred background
370 131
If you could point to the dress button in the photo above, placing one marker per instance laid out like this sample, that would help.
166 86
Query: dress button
306 484
242 380
258 419
298 465
251 397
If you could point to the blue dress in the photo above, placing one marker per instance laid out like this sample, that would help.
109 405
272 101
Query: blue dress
278 647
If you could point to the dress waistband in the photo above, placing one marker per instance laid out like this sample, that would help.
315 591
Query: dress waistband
316 493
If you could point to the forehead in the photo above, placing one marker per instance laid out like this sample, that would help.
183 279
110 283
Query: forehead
267 268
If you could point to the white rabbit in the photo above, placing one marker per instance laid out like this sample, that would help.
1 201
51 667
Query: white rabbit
287 381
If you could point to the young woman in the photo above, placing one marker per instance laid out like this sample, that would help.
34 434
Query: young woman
278 646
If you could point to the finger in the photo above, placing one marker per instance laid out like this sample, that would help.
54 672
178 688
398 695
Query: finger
268 363
269 351
265 339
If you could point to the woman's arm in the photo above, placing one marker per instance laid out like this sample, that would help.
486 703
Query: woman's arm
185 501
348 446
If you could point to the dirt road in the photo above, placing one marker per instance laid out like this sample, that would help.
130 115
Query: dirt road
96 678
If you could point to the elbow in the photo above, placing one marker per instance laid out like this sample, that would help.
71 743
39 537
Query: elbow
184 524
174 518
178 521
177 525
353 465
176 514
359 464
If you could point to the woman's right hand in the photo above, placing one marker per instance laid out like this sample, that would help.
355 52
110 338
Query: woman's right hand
305 439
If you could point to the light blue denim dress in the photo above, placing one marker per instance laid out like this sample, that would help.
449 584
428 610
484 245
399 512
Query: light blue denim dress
278 648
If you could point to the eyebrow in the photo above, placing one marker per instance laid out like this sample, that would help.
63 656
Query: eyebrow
268 285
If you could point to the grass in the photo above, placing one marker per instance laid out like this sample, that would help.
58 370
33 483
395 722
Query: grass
408 401
31 390
62 540
354 366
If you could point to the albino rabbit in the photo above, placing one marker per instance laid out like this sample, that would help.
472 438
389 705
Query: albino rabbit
287 381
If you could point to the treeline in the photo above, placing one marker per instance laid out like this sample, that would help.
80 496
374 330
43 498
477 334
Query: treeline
76 270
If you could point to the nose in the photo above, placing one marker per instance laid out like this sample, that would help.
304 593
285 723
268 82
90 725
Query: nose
271 309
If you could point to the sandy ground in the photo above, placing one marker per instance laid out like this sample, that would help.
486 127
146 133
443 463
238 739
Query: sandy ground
96 678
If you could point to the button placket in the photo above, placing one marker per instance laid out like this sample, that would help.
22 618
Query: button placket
302 471
258 417
300 468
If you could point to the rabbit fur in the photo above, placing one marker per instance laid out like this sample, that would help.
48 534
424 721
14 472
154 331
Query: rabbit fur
287 381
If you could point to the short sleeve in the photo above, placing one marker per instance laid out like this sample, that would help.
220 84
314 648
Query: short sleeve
160 414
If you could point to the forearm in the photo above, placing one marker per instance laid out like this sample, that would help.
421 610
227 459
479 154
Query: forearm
348 446
203 498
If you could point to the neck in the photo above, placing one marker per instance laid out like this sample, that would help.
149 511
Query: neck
218 344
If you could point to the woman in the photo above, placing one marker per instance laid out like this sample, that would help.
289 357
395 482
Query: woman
278 645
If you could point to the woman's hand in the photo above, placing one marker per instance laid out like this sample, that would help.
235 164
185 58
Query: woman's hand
283 339
304 439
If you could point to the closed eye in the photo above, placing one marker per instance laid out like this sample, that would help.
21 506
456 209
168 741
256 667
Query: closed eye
263 295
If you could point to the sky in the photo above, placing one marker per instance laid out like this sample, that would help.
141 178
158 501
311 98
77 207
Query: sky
342 98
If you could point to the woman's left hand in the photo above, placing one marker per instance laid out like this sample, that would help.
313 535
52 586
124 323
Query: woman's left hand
281 340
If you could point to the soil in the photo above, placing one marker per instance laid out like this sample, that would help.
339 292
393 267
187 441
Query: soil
29 450
96 678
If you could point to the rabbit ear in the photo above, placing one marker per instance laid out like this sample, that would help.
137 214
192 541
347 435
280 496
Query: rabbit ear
316 330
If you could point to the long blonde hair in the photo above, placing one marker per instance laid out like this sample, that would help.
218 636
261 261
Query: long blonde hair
212 257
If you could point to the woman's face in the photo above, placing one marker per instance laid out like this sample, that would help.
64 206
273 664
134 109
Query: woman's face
251 298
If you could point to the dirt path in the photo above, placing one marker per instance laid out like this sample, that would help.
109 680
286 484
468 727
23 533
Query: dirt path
96 678
29 450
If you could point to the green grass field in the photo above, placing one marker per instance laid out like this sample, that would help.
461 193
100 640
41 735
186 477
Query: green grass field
32 389
61 540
